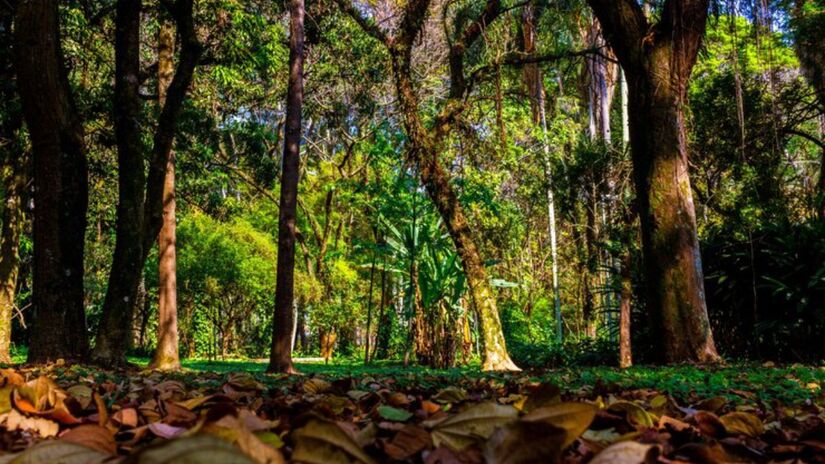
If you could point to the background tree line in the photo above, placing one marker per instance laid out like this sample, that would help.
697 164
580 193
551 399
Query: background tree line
528 183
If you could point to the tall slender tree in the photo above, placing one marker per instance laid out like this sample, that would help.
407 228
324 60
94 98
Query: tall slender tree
280 356
166 355
657 59
58 327
424 147
14 171
140 196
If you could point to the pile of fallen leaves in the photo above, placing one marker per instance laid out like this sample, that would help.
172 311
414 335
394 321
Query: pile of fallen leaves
77 415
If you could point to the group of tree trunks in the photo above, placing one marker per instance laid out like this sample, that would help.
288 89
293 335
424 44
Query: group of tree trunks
656 58
61 181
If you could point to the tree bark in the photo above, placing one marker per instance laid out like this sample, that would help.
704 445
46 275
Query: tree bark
625 347
658 60
280 356
140 205
166 355
60 181
15 175
127 261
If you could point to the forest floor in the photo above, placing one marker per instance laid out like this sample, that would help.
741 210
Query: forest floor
383 413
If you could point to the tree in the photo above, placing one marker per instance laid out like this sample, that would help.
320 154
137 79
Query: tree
14 170
657 59
424 146
809 39
60 185
280 356
140 196
166 355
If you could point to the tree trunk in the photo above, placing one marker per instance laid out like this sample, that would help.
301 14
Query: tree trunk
280 357
384 332
60 182
15 178
140 205
625 352
369 312
166 355
657 75
15 173
127 262
424 153
672 260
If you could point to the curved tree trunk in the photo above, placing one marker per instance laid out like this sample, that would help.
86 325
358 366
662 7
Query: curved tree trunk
166 355
60 185
280 356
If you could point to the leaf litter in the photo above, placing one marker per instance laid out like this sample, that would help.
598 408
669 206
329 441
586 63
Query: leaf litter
83 415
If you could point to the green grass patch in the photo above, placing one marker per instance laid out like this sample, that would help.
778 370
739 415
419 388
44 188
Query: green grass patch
794 384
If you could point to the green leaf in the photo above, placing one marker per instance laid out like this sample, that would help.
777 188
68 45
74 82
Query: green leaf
394 414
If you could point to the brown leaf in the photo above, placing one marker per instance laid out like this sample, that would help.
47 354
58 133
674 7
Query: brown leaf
409 441
709 424
195 450
126 417
450 395
545 394
43 398
573 418
92 436
742 423
323 442
57 451
525 442
627 452
635 414
711 404
473 424
316 386
234 431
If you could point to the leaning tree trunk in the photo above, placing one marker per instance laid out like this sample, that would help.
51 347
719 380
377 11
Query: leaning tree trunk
166 355
280 355
658 59
60 185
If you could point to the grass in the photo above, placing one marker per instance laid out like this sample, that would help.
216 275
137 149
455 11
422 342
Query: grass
795 384
790 385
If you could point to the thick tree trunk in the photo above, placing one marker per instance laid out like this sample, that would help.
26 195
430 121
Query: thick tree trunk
280 356
672 260
60 181
166 355
657 72
129 255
